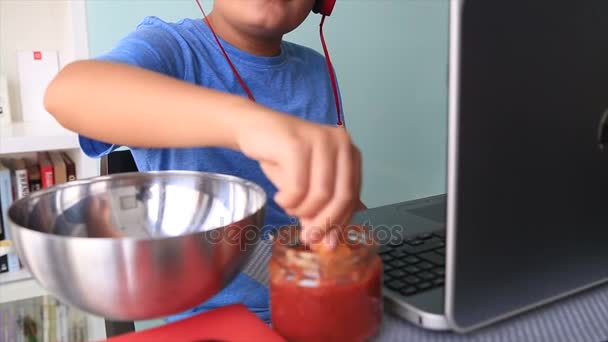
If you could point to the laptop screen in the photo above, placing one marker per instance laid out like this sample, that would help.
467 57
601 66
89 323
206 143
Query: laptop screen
526 174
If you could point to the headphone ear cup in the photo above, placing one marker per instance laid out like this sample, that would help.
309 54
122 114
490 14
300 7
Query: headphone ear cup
317 7
324 7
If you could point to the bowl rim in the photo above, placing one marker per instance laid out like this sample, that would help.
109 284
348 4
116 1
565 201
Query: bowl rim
95 179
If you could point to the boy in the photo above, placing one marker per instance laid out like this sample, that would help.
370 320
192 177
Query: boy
167 92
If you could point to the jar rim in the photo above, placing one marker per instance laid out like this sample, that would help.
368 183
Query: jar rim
360 238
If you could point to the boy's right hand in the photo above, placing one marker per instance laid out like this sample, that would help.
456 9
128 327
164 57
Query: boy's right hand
316 168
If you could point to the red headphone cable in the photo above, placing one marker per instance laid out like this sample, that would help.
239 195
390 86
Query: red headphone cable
330 69
236 73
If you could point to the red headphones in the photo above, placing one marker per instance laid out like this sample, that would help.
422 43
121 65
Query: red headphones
323 7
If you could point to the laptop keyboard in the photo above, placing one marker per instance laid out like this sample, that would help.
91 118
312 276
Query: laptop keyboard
415 264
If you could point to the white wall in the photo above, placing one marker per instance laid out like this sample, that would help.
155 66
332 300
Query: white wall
391 59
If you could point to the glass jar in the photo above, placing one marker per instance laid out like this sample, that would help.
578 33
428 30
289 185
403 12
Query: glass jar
331 296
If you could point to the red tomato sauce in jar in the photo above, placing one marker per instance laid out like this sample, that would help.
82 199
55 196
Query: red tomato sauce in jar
322 297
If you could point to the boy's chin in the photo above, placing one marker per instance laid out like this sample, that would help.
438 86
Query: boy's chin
271 31
270 28
270 17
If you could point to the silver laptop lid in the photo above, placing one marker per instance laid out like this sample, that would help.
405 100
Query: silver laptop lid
527 178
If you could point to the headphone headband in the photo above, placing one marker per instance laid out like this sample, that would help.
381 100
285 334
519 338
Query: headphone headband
324 7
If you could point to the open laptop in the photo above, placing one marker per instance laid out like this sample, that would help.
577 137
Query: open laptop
525 218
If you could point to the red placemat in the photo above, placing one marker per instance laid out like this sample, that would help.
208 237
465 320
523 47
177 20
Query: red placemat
233 323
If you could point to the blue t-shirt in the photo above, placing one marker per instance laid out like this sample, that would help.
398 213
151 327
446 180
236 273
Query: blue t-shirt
295 82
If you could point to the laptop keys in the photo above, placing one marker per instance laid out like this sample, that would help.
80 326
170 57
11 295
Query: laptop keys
424 236
439 272
414 264
422 246
409 239
386 257
412 280
440 234
398 253
396 285
434 258
411 259
408 291
412 269
385 249
424 286
425 265
415 242
427 276
397 273
397 263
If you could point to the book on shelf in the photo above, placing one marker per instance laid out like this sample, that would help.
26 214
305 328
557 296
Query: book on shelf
21 176
59 170
33 175
11 263
70 166
42 319
5 248
46 170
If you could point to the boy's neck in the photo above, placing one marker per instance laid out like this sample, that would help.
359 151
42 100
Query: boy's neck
259 46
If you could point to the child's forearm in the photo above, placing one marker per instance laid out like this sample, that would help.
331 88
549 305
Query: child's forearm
131 106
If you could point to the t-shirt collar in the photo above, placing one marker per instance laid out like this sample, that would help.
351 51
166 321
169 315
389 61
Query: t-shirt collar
237 54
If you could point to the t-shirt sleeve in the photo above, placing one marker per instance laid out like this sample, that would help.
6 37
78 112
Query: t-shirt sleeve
154 45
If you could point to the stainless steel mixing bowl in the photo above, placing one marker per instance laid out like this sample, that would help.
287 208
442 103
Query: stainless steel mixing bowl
138 246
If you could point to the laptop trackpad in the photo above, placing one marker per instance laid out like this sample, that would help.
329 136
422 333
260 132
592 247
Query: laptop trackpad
434 212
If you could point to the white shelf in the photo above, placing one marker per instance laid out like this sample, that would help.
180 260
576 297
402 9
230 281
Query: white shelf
19 285
20 137
11 277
